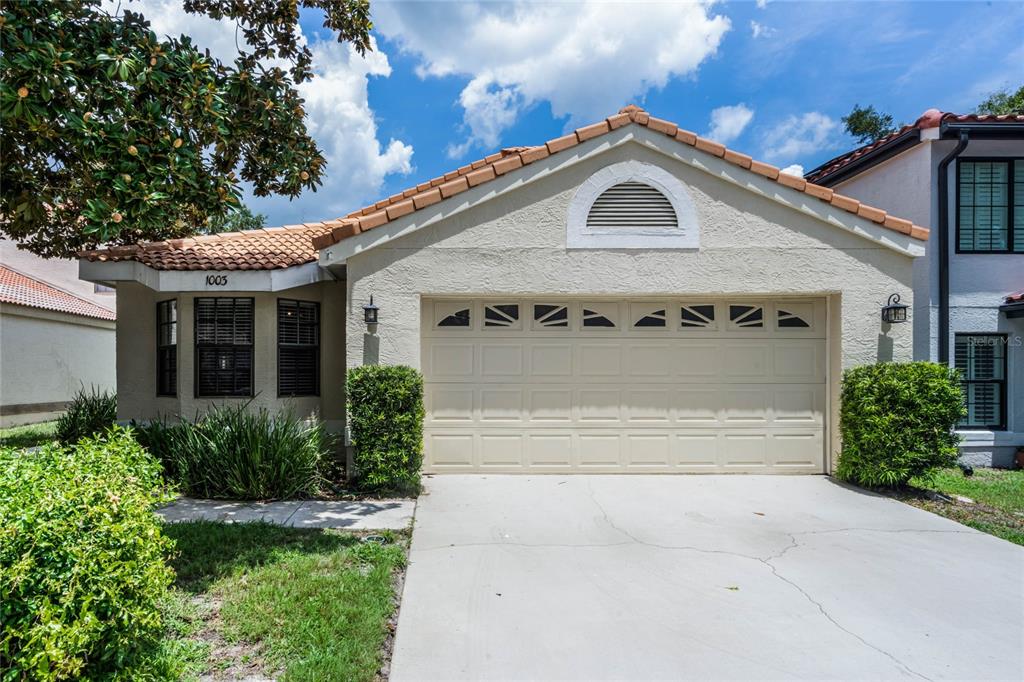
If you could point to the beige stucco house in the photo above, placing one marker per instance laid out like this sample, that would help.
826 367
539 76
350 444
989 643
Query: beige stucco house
57 336
627 298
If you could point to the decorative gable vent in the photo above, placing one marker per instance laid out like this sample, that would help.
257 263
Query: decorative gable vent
631 206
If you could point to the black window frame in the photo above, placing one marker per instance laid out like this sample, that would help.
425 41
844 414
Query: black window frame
197 346
1003 339
316 355
166 351
1012 163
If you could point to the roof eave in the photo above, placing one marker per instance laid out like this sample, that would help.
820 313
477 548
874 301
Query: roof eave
992 130
896 146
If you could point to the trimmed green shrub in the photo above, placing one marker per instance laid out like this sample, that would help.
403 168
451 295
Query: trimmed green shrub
235 453
82 570
88 414
897 421
385 411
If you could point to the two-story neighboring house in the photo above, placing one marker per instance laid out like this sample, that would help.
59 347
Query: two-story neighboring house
963 177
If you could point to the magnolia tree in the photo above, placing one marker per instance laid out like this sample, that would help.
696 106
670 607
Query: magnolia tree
113 134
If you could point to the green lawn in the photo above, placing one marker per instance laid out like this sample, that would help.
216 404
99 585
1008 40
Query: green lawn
262 600
998 496
29 435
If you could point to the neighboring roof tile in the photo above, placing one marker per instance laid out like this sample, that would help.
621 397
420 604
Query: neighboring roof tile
20 289
932 118
1014 298
269 248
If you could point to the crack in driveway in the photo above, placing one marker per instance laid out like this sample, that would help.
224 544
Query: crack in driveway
767 561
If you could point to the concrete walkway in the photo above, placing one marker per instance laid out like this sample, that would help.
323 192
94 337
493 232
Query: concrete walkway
702 578
359 515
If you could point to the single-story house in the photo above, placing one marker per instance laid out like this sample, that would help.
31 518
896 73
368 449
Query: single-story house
57 336
629 297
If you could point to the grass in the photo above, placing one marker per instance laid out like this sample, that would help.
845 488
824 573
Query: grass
257 600
29 435
997 494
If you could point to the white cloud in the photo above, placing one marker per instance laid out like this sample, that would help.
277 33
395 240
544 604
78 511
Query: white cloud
585 60
801 135
727 123
793 169
761 4
338 116
759 30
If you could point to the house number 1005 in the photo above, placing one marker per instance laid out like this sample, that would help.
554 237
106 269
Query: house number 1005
216 280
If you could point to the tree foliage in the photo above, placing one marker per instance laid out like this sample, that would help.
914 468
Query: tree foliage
114 135
868 125
1003 102
238 221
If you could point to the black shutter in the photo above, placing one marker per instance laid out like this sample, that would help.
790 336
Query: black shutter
298 348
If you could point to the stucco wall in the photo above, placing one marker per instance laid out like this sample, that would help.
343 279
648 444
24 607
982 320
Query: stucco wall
136 354
46 357
515 244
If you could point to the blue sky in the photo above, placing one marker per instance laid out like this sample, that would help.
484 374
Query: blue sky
451 82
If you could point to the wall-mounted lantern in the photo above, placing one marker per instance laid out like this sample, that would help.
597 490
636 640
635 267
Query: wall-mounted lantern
370 313
894 312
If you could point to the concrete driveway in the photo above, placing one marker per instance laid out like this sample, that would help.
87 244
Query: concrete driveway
699 577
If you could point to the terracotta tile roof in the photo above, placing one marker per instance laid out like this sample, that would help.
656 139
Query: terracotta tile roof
932 118
20 289
269 249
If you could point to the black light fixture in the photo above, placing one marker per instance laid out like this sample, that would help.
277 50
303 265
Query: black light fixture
894 312
370 313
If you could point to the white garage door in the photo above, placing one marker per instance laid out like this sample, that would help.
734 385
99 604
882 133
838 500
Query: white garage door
667 385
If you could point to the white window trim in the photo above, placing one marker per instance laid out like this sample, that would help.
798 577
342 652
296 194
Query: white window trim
685 236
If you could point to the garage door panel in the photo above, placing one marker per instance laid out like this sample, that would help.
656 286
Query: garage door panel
451 361
447 404
552 450
747 451
599 405
450 450
599 360
799 359
696 451
550 405
750 405
599 450
501 404
501 360
550 360
555 396
646 450
698 405
696 360
501 449
798 405
796 450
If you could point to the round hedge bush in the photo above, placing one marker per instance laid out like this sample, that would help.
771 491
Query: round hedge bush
897 422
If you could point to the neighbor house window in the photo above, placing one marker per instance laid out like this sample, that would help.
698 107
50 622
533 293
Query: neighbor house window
298 348
167 347
981 359
990 206
224 347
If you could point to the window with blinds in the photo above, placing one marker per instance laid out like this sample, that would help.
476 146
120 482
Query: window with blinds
167 348
631 206
224 347
981 359
298 348
990 206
